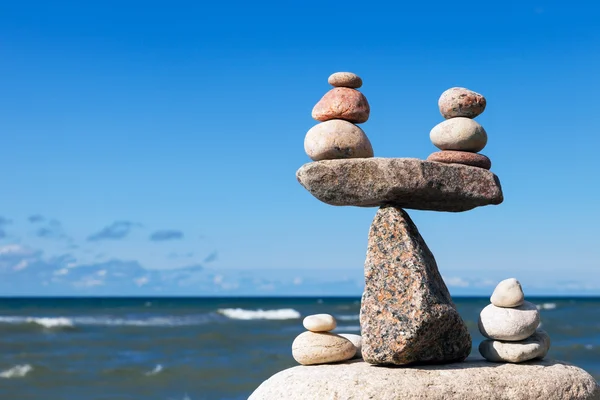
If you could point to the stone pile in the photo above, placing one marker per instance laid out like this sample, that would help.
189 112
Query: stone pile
459 137
511 325
319 346
340 109
407 315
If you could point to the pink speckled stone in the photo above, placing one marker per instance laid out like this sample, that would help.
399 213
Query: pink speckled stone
461 102
342 103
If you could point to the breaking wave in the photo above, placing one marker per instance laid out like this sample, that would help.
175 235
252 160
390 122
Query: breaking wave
156 370
18 371
546 306
240 313
43 322
353 317
71 323
353 328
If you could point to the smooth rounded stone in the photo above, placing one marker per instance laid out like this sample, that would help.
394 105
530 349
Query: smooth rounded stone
510 324
461 157
460 133
319 323
402 182
461 102
342 103
534 347
311 348
508 293
345 79
337 139
473 379
356 341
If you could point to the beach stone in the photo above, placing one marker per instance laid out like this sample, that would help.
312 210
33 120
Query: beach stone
461 102
337 139
407 315
508 293
319 323
345 79
461 157
510 324
474 379
311 348
356 341
459 133
534 347
402 182
342 103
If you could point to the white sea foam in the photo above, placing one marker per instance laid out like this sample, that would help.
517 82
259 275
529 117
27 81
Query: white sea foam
63 322
18 371
353 328
353 317
240 313
46 322
546 306
156 370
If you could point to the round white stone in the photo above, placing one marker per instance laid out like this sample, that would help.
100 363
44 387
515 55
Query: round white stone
356 341
463 134
319 323
534 347
508 293
345 79
311 348
335 139
510 324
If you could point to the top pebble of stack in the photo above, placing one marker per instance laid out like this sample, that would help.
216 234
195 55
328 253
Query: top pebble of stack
461 102
345 79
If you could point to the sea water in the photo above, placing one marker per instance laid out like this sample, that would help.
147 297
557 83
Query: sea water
204 348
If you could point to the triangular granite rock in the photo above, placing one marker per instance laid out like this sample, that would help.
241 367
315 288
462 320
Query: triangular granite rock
407 315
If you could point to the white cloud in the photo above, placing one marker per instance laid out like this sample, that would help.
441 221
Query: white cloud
21 265
456 282
88 282
141 281
297 281
16 250
62 271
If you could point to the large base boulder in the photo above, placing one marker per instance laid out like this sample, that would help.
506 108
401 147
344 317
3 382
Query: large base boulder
407 315
470 380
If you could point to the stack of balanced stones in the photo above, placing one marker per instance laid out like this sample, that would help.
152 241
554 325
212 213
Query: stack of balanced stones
319 346
460 137
340 109
511 324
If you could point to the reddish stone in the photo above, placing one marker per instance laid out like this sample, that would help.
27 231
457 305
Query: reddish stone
407 315
461 157
342 103
461 102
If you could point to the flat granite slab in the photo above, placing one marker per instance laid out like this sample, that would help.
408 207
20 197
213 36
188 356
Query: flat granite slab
473 379
402 182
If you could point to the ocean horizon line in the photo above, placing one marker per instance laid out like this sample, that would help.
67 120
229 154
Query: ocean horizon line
254 297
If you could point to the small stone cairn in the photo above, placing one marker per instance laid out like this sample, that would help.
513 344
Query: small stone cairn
511 325
460 137
339 110
319 346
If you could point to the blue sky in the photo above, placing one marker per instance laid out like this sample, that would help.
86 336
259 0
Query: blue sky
151 147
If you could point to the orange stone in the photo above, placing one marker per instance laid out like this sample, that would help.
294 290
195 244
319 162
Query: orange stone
461 157
342 103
